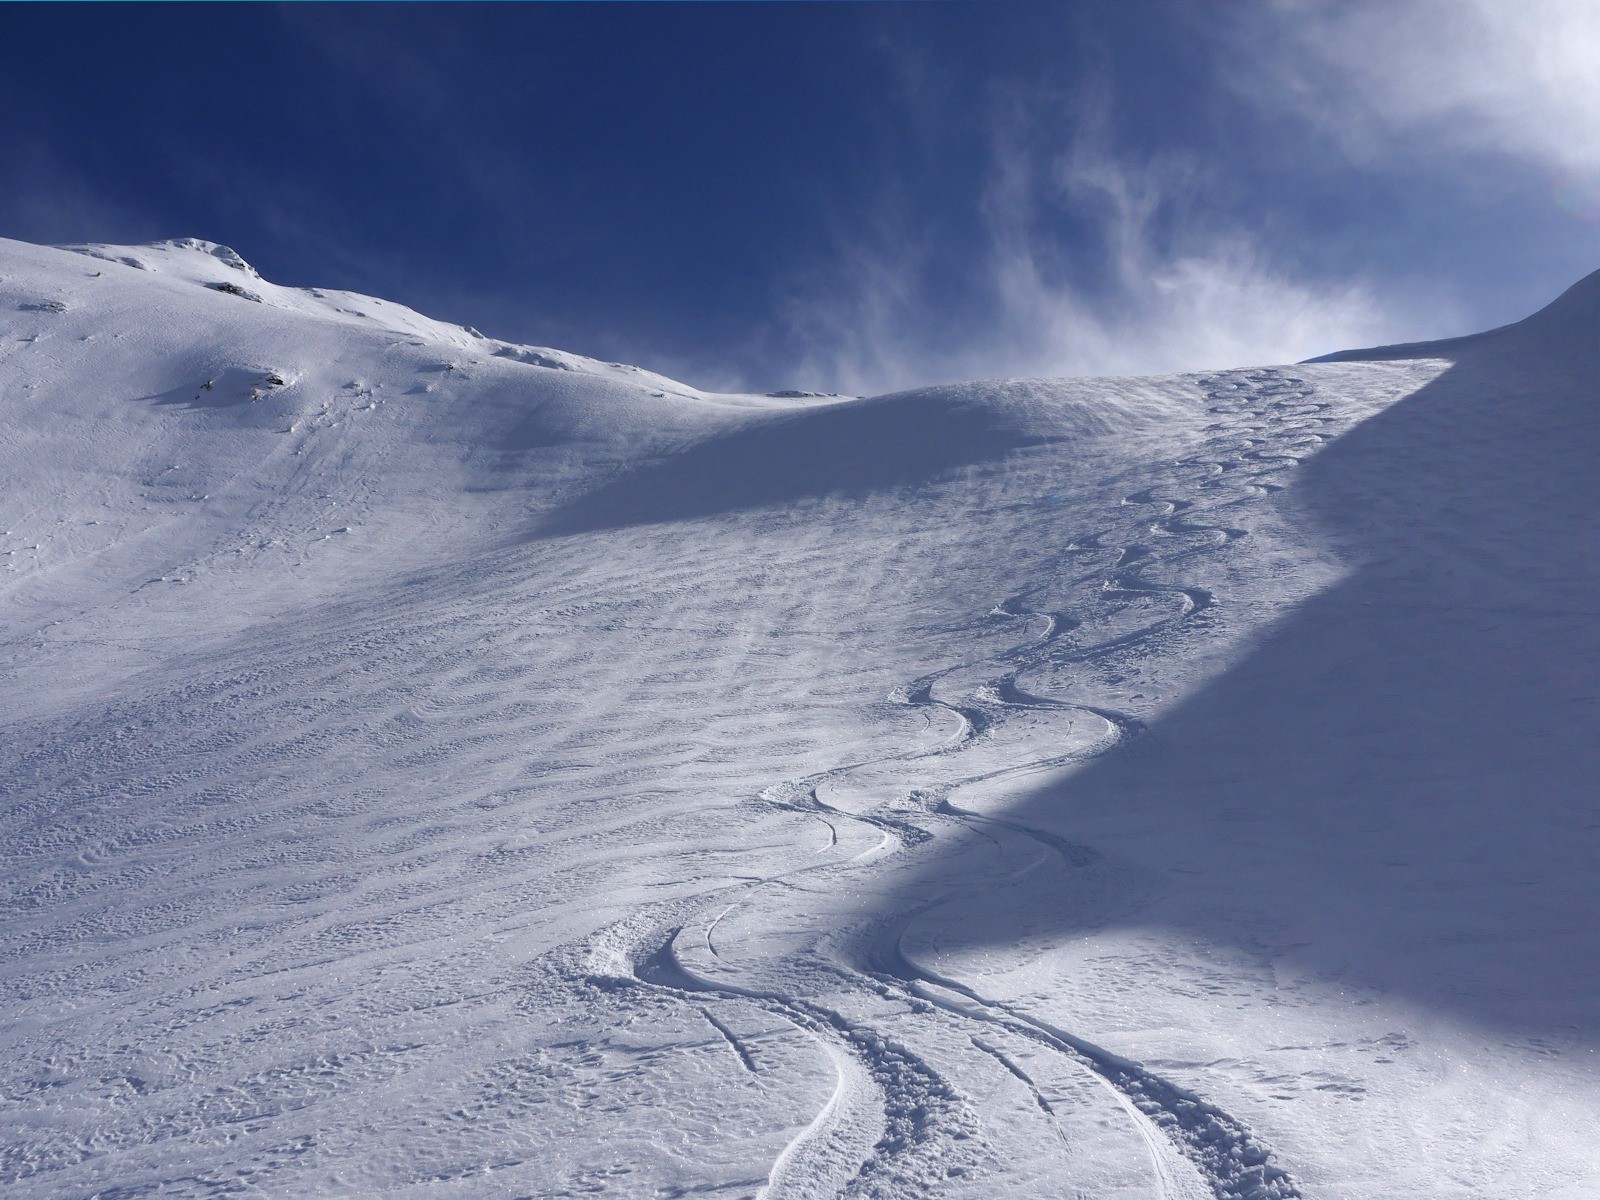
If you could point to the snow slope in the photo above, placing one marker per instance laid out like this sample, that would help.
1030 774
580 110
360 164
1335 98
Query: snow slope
438 767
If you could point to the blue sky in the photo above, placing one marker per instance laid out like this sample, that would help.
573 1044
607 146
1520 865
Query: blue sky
842 196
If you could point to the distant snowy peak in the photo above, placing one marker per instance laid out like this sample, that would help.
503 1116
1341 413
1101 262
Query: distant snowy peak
1567 328
171 256
221 268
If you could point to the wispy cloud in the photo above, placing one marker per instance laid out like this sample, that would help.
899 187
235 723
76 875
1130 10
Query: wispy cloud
1095 261
1104 257
1513 78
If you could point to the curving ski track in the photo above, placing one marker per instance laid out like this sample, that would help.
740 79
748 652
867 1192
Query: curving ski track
925 1132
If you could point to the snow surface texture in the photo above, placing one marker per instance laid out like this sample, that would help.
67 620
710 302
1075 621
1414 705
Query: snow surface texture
441 768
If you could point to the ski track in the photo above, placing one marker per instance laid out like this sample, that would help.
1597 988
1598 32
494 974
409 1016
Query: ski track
1270 419
904 1043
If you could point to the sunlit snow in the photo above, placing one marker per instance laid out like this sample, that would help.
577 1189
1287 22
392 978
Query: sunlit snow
434 767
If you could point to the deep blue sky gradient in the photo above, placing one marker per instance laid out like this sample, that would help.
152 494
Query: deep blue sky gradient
691 187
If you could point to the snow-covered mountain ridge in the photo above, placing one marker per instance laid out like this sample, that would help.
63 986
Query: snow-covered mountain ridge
439 767
1561 333
187 412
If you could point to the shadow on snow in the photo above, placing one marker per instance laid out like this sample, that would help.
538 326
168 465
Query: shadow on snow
830 450
1399 787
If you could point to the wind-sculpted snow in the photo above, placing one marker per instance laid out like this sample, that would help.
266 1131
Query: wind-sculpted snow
435 767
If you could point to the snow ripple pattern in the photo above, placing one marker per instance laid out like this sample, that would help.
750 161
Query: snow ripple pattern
929 1134
269 907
